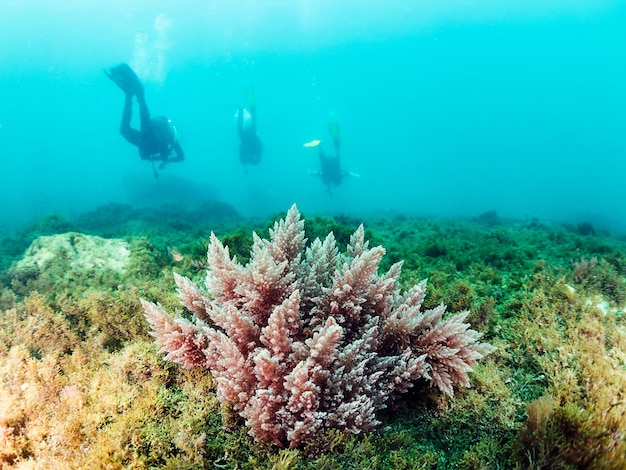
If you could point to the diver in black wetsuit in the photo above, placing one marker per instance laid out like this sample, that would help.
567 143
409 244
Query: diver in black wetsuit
330 165
250 146
157 140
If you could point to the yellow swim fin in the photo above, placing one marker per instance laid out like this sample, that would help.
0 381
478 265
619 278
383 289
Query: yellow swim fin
333 129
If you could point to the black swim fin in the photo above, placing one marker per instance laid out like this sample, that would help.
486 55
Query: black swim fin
125 78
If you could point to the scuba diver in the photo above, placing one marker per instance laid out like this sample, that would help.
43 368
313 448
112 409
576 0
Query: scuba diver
157 140
250 146
330 166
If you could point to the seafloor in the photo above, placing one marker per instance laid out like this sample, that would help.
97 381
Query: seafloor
82 384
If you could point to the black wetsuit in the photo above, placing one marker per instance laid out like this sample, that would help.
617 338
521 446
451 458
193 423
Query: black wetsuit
330 166
149 145
250 146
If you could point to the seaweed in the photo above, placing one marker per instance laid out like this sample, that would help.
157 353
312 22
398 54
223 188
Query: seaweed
82 385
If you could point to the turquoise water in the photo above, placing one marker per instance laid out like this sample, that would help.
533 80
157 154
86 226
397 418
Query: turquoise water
446 110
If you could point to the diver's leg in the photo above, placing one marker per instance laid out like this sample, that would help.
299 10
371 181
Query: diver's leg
253 119
337 144
131 135
144 114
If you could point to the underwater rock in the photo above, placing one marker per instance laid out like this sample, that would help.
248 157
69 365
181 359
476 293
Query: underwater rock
75 252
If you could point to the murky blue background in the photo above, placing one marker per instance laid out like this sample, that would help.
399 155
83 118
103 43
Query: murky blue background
448 109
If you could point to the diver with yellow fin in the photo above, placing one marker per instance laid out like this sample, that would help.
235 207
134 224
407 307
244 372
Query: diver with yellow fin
157 140
250 146
330 165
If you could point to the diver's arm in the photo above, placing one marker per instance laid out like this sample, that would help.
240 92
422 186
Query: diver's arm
179 155
131 135
321 154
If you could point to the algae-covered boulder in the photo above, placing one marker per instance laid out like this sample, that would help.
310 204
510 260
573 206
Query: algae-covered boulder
75 251
69 257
